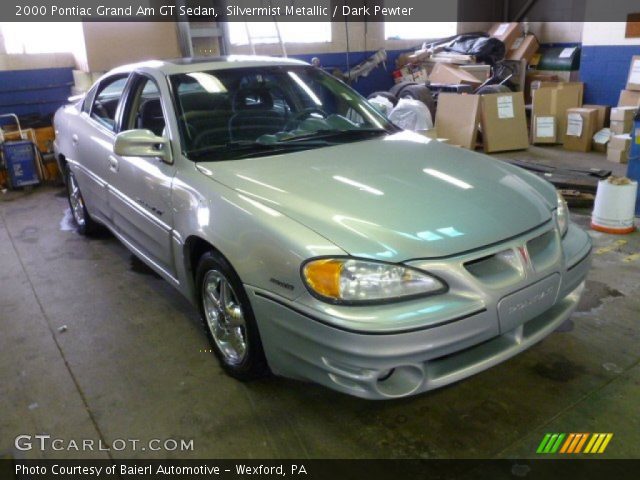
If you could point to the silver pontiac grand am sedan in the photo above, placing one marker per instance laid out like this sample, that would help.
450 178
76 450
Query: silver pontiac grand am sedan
319 241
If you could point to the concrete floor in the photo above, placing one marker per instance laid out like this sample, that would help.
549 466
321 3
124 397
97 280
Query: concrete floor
94 346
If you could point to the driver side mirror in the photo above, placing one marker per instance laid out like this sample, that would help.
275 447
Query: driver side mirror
142 143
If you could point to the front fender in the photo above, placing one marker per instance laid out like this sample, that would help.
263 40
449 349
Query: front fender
265 247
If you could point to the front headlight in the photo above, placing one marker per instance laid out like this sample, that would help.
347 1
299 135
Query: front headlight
563 215
347 280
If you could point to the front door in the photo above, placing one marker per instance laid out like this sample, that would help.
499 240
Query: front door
140 187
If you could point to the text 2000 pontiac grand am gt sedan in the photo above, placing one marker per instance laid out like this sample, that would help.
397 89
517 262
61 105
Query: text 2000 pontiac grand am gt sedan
319 241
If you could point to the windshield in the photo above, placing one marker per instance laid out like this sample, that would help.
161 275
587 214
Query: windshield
248 112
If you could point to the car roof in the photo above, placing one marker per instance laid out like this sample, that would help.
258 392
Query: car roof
197 64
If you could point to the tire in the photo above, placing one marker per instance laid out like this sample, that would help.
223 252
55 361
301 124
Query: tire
421 93
228 319
389 96
493 89
85 225
398 87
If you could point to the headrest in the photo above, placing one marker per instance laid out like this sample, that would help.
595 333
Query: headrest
203 101
151 108
252 99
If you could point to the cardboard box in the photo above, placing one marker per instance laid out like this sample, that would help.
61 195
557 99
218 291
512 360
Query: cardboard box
457 118
604 111
504 122
532 81
481 72
524 48
577 86
580 129
617 155
506 32
442 73
600 140
44 138
629 98
618 127
623 114
633 80
554 99
620 142
544 129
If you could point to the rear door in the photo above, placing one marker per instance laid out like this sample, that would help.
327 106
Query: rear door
92 138
140 187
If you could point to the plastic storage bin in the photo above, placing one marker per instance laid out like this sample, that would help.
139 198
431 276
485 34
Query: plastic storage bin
20 160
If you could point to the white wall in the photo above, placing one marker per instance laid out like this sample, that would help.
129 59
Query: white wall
557 32
606 33
362 37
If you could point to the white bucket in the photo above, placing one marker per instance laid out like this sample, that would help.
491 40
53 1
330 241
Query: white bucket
614 207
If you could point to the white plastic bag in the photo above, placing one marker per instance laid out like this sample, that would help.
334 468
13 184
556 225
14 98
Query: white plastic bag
410 114
383 104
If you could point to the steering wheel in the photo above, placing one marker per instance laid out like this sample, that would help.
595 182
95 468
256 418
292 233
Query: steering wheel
301 115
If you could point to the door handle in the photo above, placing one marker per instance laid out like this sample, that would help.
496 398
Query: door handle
113 164
74 139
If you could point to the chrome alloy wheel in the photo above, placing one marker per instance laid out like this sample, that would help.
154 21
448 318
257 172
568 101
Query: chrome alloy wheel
75 199
224 317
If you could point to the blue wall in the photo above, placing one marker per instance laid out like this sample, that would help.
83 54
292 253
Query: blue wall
378 79
604 71
34 92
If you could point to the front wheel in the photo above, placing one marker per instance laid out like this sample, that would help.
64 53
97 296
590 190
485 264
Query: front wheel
228 319
84 223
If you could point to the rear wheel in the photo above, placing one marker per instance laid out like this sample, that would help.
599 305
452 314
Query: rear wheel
228 319
398 87
84 223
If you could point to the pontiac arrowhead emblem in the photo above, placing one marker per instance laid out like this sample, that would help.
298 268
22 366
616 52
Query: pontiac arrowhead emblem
526 260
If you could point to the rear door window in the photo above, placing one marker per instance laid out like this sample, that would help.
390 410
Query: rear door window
105 104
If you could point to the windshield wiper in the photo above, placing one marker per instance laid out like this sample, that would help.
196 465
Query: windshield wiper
235 146
334 133
318 138
245 148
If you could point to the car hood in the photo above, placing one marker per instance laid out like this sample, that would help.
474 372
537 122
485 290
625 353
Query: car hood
394 198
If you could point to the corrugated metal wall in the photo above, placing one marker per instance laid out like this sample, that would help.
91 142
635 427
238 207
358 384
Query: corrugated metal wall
37 92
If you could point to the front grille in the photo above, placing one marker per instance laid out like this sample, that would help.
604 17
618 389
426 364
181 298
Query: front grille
508 266
544 250
499 268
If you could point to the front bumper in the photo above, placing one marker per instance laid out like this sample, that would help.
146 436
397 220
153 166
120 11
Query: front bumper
301 342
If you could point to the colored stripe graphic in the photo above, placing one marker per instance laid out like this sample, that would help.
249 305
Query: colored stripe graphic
543 443
556 446
574 443
605 443
568 442
590 444
581 443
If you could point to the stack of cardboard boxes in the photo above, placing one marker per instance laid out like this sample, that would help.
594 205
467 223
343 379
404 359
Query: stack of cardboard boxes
438 66
623 115
558 115
501 118
550 104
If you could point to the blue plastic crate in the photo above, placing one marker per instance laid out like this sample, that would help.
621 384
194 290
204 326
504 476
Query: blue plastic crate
20 160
